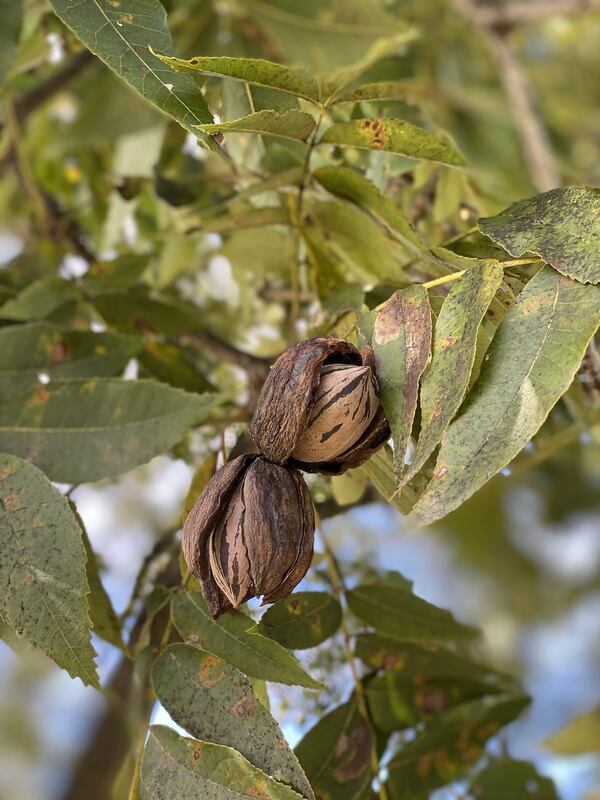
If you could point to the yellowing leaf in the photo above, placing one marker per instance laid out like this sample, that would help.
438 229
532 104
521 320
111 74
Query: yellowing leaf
532 360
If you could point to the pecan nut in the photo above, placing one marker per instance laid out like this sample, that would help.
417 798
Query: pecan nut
319 408
250 533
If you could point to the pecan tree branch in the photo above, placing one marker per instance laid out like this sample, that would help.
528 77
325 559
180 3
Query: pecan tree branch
535 142
37 96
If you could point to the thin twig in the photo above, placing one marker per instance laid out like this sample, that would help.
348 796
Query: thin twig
296 216
38 204
534 138
339 591
36 97
227 352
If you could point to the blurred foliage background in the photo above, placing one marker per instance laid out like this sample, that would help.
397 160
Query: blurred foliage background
90 172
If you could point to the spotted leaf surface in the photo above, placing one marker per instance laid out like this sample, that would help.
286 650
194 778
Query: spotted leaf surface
531 362
449 745
292 124
43 585
84 430
256 71
176 766
303 620
401 342
453 353
393 136
215 702
41 349
561 226
231 638
336 754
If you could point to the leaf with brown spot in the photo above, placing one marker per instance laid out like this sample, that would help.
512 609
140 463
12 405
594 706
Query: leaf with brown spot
43 585
302 620
449 745
225 712
235 638
255 71
446 379
401 342
531 362
292 124
79 431
188 769
336 754
39 347
394 136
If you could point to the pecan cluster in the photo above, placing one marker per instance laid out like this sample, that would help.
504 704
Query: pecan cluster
251 531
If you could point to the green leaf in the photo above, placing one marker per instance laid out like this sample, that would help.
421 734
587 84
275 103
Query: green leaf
107 276
38 347
336 754
168 363
531 362
383 47
428 661
215 702
121 35
137 313
199 482
43 586
449 745
401 342
581 735
352 238
303 620
379 469
393 136
397 702
78 431
10 28
395 611
326 33
39 299
561 226
256 71
102 613
507 778
351 185
231 638
349 487
445 381
189 769
292 124
379 91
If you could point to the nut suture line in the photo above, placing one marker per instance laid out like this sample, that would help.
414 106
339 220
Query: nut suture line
251 532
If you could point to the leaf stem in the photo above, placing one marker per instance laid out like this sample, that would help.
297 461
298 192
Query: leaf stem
454 276
134 788
296 216
339 590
